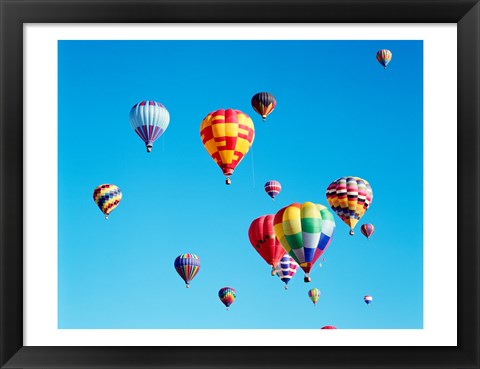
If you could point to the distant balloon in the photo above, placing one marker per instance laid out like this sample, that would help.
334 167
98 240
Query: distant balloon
227 135
187 267
262 237
367 230
329 327
368 299
263 103
286 269
305 231
273 188
384 57
107 197
350 198
227 296
149 119
314 295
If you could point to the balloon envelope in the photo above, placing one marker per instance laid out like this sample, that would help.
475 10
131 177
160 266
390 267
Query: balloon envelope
263 103
107 197
368 299
227 295
367 230
262 237
273 188
314 295
305 232
384 57
350 197
286 269
149 119
329 327
187 267
227 135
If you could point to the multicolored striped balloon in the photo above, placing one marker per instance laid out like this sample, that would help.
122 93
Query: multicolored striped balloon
263 103
149 119
107 197
314 295
227 295
262 237
286 269
227 135
329 327
384 57
187 267
350 198
273 188
305 232
367 230
368 299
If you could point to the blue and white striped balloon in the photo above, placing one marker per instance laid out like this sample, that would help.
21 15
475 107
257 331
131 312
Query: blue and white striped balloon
149 119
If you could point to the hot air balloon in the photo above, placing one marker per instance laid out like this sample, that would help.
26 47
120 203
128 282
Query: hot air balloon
384 56
273 188
107 197
304 231
263 240
368 299
350 198
149 119
227 295
367 230
329 327
187 267
263 103
227 135
314 295
286 269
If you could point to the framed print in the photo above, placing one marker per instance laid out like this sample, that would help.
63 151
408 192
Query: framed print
307 170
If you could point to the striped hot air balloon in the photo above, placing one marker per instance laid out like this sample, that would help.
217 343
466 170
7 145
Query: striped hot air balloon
263 103
384 57
227 296
187 267
314 295
227 135
305 231
262 237
367 230
149 119
107 197
368 299
273 188
350 198
286 269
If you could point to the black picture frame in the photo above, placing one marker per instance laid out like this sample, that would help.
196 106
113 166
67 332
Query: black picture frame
15 13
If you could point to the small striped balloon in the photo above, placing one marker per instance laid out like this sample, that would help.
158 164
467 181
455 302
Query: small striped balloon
273 188
263 103
384 57
367 230
107 197
286 269
187 267
314 295
368 299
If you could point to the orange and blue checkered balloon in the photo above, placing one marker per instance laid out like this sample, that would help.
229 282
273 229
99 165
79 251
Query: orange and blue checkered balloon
367 230
227 135
107 197
384 57
263 103
187 267
227 295
350 198
149 119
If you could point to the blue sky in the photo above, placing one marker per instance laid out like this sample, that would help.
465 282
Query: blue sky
339 113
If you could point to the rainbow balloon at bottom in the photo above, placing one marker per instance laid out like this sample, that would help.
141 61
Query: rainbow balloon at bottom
227 296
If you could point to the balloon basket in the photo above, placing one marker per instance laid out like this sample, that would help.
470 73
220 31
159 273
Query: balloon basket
106 217
228 181
351 232
286 287
149 148
187 286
